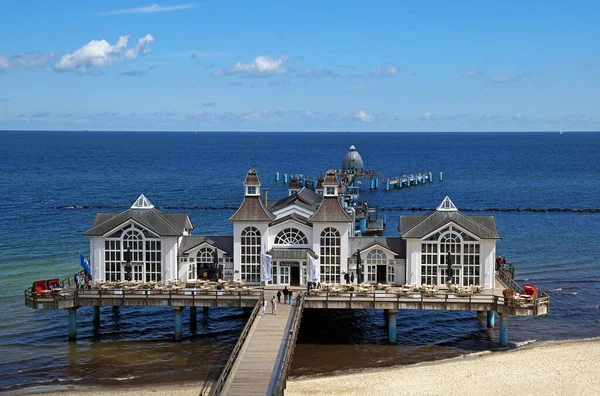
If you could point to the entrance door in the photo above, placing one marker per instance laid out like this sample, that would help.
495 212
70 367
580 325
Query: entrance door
295 281
382 274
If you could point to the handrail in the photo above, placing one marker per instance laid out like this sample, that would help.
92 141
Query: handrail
289 351
218 386
505 277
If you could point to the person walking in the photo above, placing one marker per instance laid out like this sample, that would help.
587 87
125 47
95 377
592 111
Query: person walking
290 296
274 306
76 280
278 296
285 295
264 307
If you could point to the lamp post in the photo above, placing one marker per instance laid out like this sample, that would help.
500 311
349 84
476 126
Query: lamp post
128 264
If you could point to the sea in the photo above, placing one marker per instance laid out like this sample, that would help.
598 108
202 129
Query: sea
543 189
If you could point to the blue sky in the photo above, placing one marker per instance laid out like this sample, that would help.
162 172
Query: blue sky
300 66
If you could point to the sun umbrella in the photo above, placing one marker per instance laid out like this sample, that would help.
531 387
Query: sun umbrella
449 269
359 267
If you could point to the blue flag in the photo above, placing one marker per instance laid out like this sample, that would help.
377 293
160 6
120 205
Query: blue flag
84 263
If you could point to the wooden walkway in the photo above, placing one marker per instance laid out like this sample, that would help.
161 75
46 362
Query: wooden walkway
262 353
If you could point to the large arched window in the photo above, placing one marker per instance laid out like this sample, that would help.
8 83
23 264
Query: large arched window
330 255
291 236
146 257
453 247
374 258
250 257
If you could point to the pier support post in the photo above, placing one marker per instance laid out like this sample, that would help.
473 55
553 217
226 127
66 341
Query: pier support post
72 323
480 317
205 311
503 330
276 176
376 183
115 309
441 177
193 319
490 319
387 184
285 178
96 315
391 319
178 311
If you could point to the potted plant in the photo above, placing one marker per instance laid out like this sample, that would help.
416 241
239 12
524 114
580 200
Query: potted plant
219 289
351 290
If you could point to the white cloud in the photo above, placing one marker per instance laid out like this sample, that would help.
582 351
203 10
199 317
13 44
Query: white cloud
316 73
99 53
471 73
504 78
427 116
362 116
261 66
150 9
26 60
380 71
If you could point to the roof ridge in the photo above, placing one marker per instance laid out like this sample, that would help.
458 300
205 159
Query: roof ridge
480 224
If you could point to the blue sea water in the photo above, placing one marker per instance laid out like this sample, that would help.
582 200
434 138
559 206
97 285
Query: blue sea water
53 183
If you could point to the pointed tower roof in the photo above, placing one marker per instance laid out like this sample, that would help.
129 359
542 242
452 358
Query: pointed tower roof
252 178
294 185
142 203
330 179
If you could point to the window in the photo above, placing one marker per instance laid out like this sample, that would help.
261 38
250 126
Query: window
457 246
330 190
250 257
330 255
146 254
291 236
112 260
391 274
205 261
251 190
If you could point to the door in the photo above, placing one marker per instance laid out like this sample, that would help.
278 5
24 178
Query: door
382 274
284 275
295 276
137 272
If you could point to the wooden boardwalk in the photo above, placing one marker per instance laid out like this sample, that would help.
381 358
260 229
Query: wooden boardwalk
262 353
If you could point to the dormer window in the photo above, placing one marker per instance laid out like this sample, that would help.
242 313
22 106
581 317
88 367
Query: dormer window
330 190
251 190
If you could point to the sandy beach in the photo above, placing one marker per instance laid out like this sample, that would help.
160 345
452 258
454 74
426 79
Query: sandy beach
569 368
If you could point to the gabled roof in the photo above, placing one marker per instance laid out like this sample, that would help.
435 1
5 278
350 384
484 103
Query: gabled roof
304 198
394 244
252 209
330 210
292 216
156 221
483 227
223 243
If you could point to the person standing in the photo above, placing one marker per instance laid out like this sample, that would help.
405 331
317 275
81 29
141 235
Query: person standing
352 278
278 296
76 280
285 295
290 296
274 306
264 307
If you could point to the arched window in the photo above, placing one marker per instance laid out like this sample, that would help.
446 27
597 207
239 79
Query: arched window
330 255
374 258
146 257
250 257
291 236
450 246
205 261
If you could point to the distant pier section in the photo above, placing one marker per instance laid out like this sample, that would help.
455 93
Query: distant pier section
351 173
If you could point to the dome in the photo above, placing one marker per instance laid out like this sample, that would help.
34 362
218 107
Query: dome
352 160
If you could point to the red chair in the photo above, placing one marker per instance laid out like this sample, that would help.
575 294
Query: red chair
39 286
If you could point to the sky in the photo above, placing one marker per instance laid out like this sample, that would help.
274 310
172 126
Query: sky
300 65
